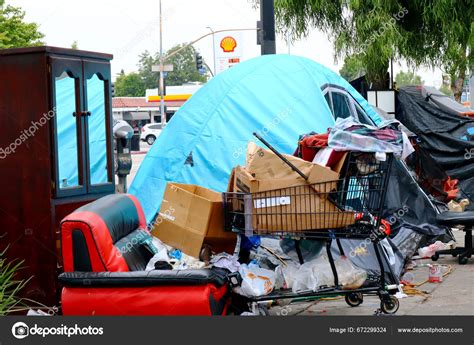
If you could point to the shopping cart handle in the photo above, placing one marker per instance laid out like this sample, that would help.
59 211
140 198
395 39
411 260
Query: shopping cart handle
267 144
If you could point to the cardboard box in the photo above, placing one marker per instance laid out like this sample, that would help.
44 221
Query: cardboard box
284 201
295 209
190 216
264 164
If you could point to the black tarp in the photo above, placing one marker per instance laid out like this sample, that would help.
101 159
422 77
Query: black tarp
442 133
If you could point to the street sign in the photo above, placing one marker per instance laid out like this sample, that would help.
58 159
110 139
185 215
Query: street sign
202 71
166 68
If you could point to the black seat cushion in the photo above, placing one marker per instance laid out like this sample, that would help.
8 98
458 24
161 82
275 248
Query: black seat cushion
144 278
456 218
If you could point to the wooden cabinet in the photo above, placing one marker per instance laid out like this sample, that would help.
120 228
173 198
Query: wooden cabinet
56 152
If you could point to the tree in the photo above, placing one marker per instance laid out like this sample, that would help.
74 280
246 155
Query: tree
446 90
352 69
184 67
74 45
423 32
408 78
14 31
129 85
145 63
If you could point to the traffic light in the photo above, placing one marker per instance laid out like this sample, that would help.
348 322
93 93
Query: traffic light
198 61
113 89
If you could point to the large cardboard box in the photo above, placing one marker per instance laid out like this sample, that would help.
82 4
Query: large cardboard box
190 216
284 201
289 204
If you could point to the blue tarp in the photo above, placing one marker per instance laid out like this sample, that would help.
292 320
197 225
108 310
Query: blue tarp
278 96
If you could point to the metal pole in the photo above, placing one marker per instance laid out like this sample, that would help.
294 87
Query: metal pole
267 17
213 48
161 86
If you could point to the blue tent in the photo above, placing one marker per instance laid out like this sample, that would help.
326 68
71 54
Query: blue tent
278 96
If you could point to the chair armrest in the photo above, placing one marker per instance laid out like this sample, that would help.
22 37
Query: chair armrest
144 278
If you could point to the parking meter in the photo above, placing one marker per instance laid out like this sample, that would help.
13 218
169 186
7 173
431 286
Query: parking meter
123 134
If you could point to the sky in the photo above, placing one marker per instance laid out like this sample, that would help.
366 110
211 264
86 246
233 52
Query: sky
127 28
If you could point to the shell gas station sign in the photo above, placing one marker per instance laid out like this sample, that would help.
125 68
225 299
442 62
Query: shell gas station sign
228 50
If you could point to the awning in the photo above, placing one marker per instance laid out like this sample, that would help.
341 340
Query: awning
136 115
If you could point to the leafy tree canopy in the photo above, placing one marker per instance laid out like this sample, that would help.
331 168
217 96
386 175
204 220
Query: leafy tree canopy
407 78
353 68
184 67
184 71
129 85
14 31
423 32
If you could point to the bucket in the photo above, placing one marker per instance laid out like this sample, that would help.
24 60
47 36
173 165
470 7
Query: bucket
435 273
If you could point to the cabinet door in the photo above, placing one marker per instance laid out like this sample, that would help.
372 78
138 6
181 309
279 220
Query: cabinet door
98 127
66 93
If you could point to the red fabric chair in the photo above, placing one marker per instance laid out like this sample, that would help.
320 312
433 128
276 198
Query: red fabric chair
105 249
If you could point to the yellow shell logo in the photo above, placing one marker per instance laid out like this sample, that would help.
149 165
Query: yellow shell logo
228 44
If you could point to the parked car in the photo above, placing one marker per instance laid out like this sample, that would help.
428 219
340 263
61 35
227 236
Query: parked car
150 132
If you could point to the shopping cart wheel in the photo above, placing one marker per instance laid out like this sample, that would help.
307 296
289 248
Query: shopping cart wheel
389 305
354 299
435 257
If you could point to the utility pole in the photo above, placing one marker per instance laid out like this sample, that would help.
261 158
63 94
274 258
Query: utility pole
161 83
213 47
267 18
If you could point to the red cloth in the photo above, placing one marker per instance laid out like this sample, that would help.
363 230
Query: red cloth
311 144
450 188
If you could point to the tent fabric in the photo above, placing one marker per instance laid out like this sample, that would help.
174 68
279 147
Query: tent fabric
441 133
444 102
278 96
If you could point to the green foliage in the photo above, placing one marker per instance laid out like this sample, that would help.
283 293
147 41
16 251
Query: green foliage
9 286
407 78
423 32
184 64
352 69
130 85
74 45
184 71
145 63
446 90
14 32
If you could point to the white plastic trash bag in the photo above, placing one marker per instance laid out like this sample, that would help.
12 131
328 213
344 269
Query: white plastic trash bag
317 273
256 281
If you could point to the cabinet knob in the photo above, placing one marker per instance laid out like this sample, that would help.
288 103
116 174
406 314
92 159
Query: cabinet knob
88 113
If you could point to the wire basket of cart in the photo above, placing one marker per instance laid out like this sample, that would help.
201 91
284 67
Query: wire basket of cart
346 208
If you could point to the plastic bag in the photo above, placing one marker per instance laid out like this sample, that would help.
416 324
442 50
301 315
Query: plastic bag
304 279
312 275
430 250
350 277
285 275
317 273
256 281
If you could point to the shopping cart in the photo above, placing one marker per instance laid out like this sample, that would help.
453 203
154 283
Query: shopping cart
347 208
